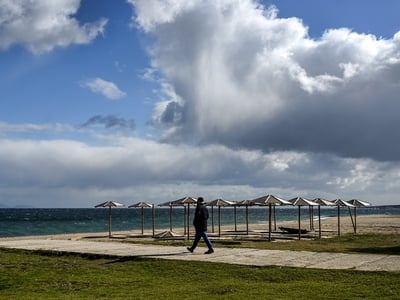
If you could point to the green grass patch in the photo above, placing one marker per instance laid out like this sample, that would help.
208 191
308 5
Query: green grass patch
49 275
41 275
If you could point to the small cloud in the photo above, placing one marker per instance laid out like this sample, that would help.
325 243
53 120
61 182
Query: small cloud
120 67
106 88
32 128
109 122
41 26
150 74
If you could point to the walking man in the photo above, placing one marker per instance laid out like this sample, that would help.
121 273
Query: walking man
200 224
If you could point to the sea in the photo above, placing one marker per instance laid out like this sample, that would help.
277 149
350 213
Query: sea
16 222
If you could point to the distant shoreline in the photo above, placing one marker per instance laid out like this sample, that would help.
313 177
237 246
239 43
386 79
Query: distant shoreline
384 224
2 206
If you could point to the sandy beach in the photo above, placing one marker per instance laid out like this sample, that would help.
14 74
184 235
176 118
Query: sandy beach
384 224
364 224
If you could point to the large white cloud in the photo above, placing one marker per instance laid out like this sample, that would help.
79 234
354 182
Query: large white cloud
67 173
42 25
248 78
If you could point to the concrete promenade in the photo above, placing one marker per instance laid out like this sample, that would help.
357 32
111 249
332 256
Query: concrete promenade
242 256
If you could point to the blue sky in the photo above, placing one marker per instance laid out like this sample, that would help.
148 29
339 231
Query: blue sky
150 100
374 17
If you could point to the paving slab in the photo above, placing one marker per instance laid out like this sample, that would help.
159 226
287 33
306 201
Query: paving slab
242 256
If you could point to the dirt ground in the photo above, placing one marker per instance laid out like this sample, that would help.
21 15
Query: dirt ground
329 227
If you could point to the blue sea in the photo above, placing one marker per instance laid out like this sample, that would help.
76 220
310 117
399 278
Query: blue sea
44 221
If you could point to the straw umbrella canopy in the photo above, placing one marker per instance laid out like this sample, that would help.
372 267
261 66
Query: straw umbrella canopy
109 204
321 202
341 203
143 205
299 201
270 200
218 202
357 203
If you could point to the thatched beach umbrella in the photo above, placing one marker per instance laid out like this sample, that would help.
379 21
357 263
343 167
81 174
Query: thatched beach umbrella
321 202
357 203
299 201
246 203
170 204
219 203
341 203
271 201
143 205
235 205
109 204
185 202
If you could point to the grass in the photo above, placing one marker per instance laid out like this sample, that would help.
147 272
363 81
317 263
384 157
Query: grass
46 275
30 275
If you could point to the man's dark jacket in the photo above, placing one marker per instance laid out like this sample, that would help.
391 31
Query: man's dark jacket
200 217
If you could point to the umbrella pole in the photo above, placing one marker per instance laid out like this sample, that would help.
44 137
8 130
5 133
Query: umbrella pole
319 221
338 210
312 211
274 217
269 222
170 217
109 221
142 220
188 227
311 217
247 219
299 223
153 218
212 218
234 216
352 221
184 220
219 220
355 220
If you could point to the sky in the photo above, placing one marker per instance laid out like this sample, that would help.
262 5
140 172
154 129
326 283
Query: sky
154 100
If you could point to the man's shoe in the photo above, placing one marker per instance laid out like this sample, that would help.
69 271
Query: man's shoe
209 251
190 249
